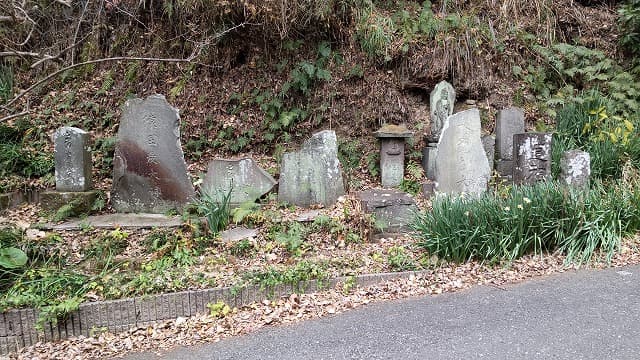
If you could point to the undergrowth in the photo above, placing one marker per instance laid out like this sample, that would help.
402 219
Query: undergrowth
544 217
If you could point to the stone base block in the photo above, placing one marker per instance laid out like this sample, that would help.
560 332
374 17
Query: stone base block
504 167
393 210
10 200
428 190
80 202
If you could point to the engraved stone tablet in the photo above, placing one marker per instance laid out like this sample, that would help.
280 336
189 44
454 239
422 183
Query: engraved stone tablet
149 172
312 175
244 178
575 168
73 159
461 164
532 158
441 102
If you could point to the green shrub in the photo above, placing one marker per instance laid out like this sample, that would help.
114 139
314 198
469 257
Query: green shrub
531 219
216 210
629 23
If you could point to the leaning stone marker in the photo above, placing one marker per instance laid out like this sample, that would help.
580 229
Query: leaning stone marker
392 139
532 158
73 159
461 164
244 178
575 168
441 102
313 174
509 122
149 172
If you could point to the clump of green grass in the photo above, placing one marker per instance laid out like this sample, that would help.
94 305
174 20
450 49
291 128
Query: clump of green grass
543 217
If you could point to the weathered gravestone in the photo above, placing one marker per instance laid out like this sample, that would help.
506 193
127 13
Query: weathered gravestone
72 154
392 139
575 168
393 210
532 158
243 179
510 121
149 172
441 101
313 174
462 165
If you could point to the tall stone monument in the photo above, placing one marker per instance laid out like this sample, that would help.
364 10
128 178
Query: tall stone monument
312 175
392 139
532 158
461 164
510 121
149 171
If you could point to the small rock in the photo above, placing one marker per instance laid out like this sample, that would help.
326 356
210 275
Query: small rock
35 234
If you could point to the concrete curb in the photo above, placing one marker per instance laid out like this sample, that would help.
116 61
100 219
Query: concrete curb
17 327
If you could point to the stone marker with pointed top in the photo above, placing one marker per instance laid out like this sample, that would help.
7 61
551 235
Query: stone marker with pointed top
72 154
462 165
575 168
441 101
531 158
149 171
244 178
312 175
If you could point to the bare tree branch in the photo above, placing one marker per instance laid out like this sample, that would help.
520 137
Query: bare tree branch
7 118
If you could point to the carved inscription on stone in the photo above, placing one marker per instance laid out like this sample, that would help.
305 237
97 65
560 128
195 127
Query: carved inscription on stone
73 159
532 157
150 174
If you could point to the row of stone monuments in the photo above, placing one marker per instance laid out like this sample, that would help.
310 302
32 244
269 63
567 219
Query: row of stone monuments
150 174
458 159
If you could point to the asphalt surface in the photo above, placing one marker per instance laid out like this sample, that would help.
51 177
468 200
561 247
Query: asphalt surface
576 315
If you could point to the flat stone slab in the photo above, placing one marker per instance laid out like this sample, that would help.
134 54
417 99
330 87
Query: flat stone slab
393 210
243 178
123 221
312 175
238 233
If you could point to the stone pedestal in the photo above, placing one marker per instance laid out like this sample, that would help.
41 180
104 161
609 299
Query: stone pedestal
392 139
429 155
80 202
393 210
531 158
575 168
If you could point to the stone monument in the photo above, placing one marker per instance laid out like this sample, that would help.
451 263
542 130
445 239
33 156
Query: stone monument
532 158
312 175
510 121
441 101
243 178
462 165
149 171
392 139
575 168
72 153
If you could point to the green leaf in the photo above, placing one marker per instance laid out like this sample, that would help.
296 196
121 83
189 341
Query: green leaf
324 49
12 258
323 74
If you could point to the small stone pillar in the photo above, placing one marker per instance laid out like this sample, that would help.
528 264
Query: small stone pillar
532 158
73 159
72 154
392 139
575 168
429 155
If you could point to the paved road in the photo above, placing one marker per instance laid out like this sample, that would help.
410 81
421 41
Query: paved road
583 315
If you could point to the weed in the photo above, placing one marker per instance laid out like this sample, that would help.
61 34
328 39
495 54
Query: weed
219 309
399 260
215 209
243 247
292 238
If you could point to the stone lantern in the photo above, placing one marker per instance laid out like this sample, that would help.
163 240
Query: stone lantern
392 140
